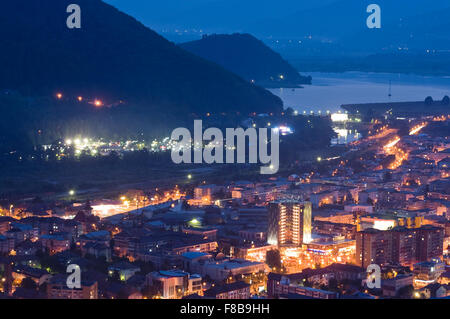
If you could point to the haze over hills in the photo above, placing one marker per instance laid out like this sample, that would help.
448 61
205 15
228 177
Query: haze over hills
326 32
248 57
326 20
212 16
339 17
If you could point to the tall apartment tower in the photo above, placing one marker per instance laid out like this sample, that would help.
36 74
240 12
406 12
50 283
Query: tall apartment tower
400 245
289 223
430 242
373 246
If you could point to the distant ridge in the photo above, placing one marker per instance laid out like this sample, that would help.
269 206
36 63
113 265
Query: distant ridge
248 57
425 107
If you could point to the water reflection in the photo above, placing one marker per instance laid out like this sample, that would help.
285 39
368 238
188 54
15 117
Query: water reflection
345 136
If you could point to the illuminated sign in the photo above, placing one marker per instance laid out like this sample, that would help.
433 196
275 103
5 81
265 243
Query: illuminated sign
339 117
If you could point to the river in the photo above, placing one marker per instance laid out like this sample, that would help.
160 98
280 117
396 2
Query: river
330 90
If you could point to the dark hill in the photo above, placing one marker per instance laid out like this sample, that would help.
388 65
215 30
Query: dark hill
113 57
248 57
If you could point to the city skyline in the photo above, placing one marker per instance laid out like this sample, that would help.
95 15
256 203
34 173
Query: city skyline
164 150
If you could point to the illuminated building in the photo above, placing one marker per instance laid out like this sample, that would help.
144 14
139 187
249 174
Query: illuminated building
392 286
324 198
219 270
400 245
253 252
206 233
404 246
289 223
428 272
174 284
57 289
253 235
39 276
430 242
123 269
55 243
334 229
206 191
339 117
278 284
6 244
236 290
339 244
372 247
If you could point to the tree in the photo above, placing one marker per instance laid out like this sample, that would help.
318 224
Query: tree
28 283
368 116
273 259
445 100
114 277
290 111
350 197
429 100
151 291
406 292
333 285
387 176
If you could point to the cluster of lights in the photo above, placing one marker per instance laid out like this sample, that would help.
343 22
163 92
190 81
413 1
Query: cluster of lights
400 155
94 147
284 130
441 118
297 259
416 129
84 144
128 204
95 102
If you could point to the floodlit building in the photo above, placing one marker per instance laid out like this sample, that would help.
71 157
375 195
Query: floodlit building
289 223
236 290
391 287
174 284
428 272
278 284
400 245
57 289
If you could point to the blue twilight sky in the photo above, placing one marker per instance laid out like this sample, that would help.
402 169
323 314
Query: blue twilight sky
324 20
209 14
232 14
